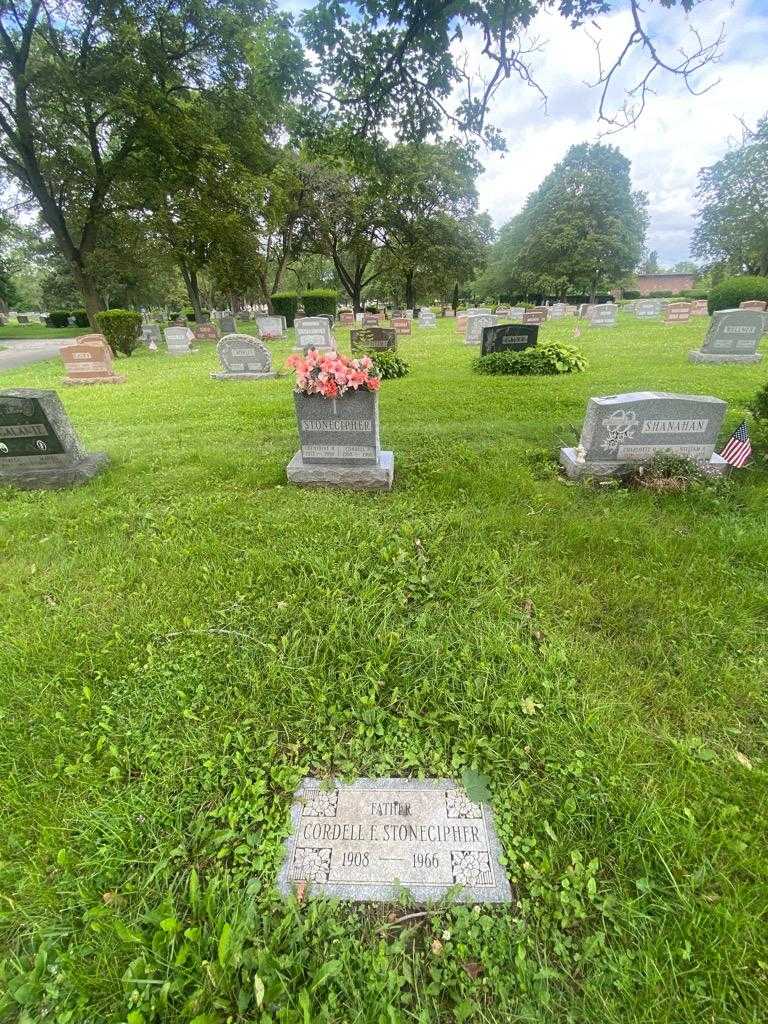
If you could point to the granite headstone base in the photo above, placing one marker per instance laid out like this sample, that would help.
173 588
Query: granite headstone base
222 375
576 470
696 356
117 378
66 473
374 476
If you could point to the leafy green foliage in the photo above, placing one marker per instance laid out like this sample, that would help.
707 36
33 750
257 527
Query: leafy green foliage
320 302
285 304
81 318
546 359
666 473
759 405
57 318
388 365
734 290
120 328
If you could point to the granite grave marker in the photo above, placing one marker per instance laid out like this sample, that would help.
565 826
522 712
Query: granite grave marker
379 339
733 337
243 357
88 360
509 338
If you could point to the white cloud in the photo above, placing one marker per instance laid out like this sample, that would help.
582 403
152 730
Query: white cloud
677 135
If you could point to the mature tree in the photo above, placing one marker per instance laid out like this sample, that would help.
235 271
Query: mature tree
399 62
650 264
583 226
87 86
733 217
685 267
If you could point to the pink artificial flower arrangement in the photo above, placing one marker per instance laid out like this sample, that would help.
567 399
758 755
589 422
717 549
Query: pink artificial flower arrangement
331 375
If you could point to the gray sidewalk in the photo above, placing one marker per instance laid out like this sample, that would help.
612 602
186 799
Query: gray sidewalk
16 352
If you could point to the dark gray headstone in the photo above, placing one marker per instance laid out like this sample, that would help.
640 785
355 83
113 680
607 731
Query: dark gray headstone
509 338
39 449
620 431
733 337
227 324
374 339
370 839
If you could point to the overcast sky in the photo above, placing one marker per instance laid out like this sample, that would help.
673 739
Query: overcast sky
677 135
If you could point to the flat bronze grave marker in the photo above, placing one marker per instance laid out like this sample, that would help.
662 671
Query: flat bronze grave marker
368 840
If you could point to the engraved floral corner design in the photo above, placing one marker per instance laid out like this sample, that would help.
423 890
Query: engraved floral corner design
458 805
311 864
319 804
471 867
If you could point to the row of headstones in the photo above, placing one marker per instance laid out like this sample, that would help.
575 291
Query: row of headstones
340 444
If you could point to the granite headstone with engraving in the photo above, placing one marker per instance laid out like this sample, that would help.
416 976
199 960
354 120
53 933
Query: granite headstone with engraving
243 357
677 312
370 839
535 315
314 332
39 449
427 318
699 307
509 338
557 310
647 309
205 331
620 431
271 327
373 339
733 337
757 304
346 316
603 315
340 443
476 324
88 360
401 324
177 339
227 324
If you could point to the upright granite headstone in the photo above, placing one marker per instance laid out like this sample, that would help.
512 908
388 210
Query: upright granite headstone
733 337
340 443
699 307
22 318
603 315
370 839
427 318
647 309
476 324
346 316
535 315
509 338
757 304
177 339
205 331
88 360
677 312
450 312
378 339
314 332
271 327
401 324
557 310
39 449
620 431
150 334
243 357
227 324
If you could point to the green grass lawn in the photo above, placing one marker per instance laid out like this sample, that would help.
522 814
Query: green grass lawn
186 637
31 331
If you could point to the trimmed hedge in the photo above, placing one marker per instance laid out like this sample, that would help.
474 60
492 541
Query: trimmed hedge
630 295
57 318
544 360
734 290
120 328
695 293
660 295
81 318
285 304
320 302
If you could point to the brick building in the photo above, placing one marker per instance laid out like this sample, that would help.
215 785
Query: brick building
647 283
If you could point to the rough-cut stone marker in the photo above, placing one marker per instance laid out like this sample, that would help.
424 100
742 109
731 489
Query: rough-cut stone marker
243 357
368 840
39 449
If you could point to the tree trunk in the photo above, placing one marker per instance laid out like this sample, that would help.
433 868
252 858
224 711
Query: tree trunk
409 290
193 289
592 294
87 287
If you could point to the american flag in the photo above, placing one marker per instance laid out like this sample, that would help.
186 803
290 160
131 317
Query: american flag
738 450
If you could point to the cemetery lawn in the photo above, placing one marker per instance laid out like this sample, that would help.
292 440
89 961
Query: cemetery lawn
187 637
31 331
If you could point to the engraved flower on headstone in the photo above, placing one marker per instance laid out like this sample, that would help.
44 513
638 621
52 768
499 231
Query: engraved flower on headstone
311 865
457 805
321 804
620 427
470 867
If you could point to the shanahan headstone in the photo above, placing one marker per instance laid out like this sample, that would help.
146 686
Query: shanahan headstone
243 357
373 339
733 337
509 338
340 444
88 360
620 431
39 449
677 312
370 839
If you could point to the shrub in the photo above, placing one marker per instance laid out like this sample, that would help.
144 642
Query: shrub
81 318
389 365
189 313
759 405
120 328
630 295
285 304
695 293
733 290
543 360
660 295
57 318
320 302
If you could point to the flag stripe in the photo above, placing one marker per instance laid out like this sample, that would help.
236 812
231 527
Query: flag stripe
738 449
